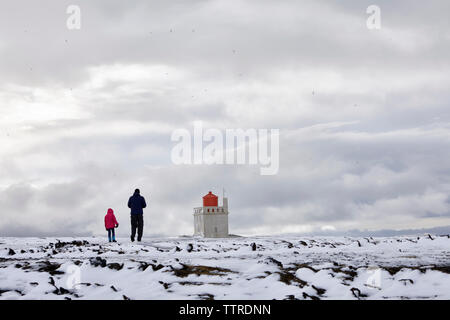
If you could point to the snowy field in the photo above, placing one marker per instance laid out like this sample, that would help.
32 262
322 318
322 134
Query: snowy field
235 268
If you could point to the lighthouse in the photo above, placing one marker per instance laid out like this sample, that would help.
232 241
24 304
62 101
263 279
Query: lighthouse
211 221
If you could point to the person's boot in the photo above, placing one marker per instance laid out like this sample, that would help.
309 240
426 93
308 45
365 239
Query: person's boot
132 239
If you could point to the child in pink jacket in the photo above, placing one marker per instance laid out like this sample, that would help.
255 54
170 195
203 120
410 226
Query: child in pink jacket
110 224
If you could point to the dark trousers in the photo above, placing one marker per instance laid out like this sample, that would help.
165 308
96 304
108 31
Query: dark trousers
137 222
111 234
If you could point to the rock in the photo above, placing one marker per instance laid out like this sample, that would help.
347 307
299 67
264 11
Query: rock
125 297
290 278
157 267
303 243
253 245
113 288
275 261
199 270
115 266
305 295
143 266
206 296
97 261
52 268
319 291
11 252
59 244
357 293
190 247
63 291
405 281
78 243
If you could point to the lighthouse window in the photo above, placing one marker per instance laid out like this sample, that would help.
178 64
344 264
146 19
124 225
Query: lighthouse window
208 210
213 210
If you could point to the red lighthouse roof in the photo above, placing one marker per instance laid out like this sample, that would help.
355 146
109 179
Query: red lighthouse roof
210 200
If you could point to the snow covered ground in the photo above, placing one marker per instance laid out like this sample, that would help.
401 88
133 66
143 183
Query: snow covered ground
284 267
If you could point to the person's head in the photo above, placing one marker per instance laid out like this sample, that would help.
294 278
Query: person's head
137 191
110 211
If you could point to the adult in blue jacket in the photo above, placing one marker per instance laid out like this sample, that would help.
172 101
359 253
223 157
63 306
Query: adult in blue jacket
136 203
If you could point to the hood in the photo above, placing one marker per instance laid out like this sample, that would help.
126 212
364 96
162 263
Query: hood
110 211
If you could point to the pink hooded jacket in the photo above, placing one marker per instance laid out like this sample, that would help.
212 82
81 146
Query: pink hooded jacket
110 219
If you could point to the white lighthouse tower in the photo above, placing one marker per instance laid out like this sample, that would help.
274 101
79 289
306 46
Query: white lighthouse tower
211 221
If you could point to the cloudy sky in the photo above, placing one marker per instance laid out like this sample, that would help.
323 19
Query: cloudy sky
87 115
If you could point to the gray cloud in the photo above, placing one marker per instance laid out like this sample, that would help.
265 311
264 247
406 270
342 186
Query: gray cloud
86 116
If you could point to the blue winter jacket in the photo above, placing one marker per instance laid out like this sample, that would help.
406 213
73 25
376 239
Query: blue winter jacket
136 203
